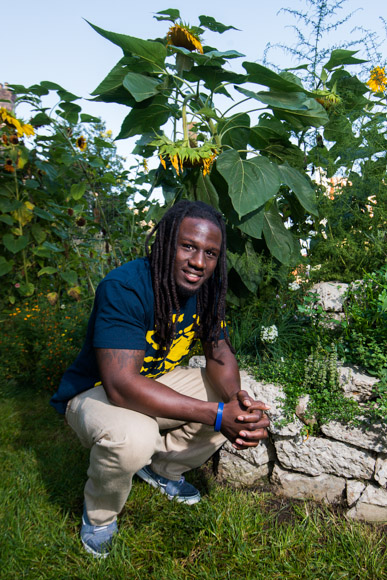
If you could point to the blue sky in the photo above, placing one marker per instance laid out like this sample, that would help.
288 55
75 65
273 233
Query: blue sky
58 45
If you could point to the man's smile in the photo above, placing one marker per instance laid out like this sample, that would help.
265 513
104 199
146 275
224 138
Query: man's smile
199 244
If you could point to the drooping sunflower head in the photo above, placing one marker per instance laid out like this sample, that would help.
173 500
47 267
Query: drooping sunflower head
181 155
179 35
378 80
328 99
81 143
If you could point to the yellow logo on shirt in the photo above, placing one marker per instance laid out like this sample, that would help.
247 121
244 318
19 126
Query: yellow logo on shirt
155 366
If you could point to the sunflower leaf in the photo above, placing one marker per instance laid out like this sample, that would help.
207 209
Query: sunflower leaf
280 240
148 50
141 87
210 23
251 182
171 14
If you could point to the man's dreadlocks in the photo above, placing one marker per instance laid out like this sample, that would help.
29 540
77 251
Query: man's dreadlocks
211 297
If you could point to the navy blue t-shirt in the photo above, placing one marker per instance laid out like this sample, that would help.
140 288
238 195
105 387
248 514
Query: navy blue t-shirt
123 318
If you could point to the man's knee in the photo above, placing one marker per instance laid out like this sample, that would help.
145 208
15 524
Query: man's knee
128 448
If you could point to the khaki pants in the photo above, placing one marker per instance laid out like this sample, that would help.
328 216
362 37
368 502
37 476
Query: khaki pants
123 441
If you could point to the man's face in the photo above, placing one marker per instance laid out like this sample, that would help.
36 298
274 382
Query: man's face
199 243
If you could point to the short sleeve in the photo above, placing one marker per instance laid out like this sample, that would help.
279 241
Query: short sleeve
121 320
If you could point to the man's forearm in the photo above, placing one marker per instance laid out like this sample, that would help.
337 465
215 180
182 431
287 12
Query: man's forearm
222 370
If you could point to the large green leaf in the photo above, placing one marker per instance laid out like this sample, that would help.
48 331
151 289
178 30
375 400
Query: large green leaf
247 266
338 129
7 219
47 270
69 276
234 131
115 77
251 182
38 233
67 96
205 191
148 117
15 244
296 108
269 130
43 214
52 247
118 95
8 205
77 190
211 58
141 87
340 57
210 23
261 75
171 14
213 77
252 223
146 49
300 187
70 107
5 267
51 86
279 240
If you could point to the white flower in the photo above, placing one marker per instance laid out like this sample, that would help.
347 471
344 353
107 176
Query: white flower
269 333
63 306
293 286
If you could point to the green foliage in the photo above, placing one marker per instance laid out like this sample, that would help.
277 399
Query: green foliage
39 341
266 329
258 179
364 340
352 237
64 215
321 382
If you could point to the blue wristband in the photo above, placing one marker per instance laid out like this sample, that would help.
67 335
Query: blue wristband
219 415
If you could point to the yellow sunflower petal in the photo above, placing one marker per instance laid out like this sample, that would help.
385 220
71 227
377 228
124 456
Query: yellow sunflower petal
175 163
378 80
181 36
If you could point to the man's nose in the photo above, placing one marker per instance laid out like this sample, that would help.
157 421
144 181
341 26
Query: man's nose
198 260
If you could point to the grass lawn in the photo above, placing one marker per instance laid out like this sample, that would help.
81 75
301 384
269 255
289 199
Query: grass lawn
238 535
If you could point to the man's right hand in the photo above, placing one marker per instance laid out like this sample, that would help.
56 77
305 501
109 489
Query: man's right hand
245 427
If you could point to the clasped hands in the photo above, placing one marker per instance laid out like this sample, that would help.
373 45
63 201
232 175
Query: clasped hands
244 421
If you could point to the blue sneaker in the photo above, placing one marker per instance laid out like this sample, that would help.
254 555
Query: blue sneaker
97 540
180 491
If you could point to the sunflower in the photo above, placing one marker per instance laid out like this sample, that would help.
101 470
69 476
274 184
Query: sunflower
8 166
179 35
181 155
378 80
329 100
11 121
81 143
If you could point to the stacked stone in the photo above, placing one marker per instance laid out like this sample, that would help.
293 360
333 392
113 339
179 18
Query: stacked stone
346 465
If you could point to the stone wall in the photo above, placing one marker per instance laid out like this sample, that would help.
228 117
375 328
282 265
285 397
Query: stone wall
344 465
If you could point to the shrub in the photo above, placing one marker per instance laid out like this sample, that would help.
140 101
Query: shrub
364 340
40 341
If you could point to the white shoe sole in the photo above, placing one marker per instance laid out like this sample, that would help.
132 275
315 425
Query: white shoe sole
148 479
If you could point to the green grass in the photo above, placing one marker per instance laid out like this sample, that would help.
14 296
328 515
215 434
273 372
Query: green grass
230 534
